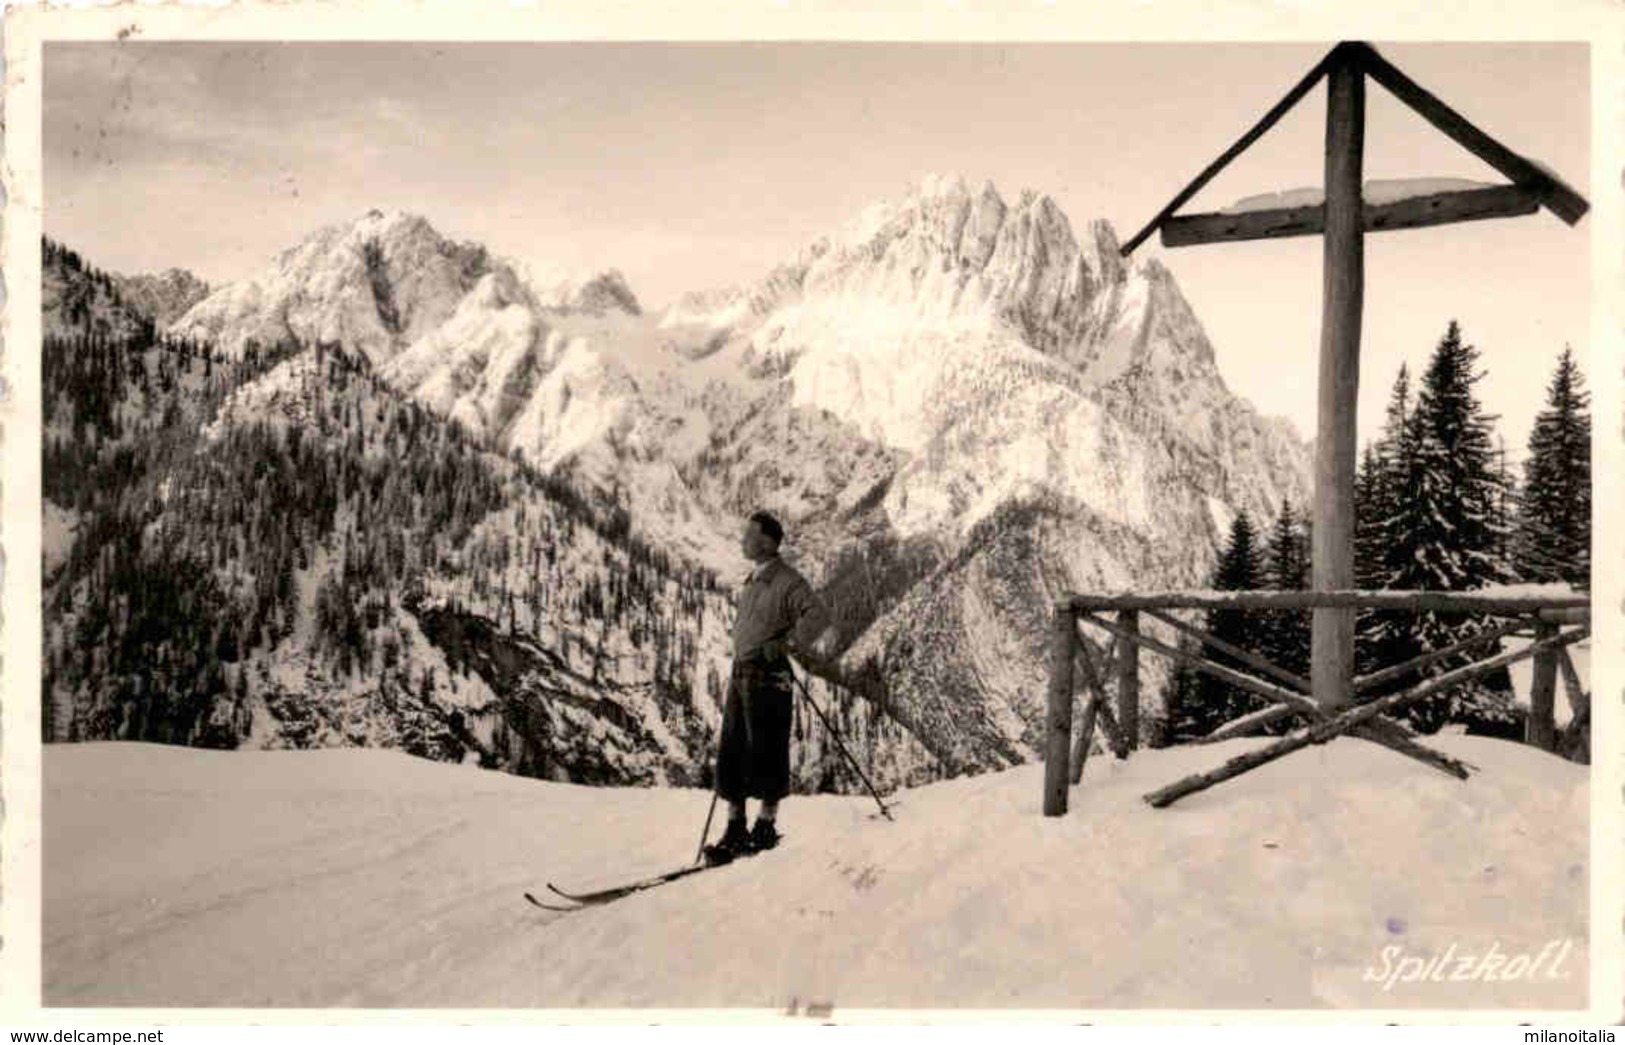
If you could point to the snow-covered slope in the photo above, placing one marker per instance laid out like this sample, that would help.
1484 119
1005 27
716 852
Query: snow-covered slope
177 877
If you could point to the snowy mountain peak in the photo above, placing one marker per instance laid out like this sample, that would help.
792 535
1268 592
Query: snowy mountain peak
377 284
380 221
953 257
1103 252
605 292
946 253
943 185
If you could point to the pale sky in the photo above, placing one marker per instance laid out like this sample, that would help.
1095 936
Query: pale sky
694 166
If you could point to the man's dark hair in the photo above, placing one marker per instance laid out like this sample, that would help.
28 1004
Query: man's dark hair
769 526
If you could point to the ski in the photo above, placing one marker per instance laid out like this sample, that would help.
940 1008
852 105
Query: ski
603 896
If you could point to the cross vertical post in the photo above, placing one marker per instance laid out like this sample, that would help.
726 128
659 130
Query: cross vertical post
1058 719
1342 219
1332 636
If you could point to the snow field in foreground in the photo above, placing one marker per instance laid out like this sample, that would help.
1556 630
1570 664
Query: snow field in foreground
177 877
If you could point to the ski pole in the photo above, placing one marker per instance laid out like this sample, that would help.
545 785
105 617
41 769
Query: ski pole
706 832
835 734
709 813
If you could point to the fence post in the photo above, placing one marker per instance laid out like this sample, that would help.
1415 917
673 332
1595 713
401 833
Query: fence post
1058 721
1128 680
1541 730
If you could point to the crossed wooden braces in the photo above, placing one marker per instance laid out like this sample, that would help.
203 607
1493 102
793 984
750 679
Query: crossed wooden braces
1557 623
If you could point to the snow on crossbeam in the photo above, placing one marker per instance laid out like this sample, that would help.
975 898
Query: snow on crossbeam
1424 208
1375 191
1528 175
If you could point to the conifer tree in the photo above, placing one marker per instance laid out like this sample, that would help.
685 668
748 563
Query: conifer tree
1384 637
1441 532
1552 540
1445 536
1368 517
1286 568
1199 703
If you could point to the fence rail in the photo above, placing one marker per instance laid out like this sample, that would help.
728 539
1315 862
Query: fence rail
1543 616
1496 603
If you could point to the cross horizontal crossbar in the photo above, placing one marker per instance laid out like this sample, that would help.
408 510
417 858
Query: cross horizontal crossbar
1529 180
1550 190
1439 208
1257 131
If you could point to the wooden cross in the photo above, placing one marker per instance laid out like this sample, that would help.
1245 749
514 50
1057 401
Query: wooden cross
1342 221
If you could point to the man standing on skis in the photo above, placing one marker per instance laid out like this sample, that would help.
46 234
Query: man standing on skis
777 610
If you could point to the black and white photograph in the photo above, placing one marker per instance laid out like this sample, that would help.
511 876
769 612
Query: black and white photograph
802 526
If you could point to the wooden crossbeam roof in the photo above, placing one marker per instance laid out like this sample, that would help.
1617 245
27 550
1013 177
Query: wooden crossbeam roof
1439 208
1553 194
1257 131
1531 188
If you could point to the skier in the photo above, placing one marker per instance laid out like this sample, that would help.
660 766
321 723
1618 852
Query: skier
776 608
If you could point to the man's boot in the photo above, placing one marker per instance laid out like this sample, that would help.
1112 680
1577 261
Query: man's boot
734 842
763 836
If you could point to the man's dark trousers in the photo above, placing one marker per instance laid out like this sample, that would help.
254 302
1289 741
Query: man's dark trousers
753 760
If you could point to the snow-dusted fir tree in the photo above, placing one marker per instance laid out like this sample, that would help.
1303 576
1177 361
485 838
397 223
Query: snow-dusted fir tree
1286 568
1369 515
1384 637
1552 539
1441 531
1199 703
1447 510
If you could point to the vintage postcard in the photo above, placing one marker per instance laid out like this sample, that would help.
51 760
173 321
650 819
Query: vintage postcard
783 512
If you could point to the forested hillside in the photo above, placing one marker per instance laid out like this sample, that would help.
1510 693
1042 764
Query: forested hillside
277 550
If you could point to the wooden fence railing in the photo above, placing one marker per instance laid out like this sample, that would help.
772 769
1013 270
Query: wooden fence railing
1552 622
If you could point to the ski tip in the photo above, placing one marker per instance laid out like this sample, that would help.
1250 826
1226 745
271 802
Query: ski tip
548 906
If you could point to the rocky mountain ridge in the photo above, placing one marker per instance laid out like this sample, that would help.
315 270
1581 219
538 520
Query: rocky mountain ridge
164 296
961 407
